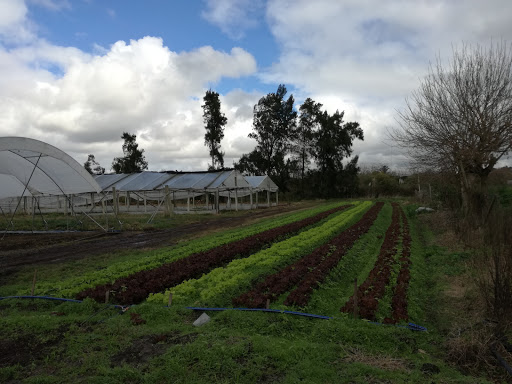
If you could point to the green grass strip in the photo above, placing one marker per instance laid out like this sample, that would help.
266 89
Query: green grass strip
218 287
142 260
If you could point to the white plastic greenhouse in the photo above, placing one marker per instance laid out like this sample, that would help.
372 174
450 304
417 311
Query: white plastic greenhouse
35 176
32 171
179 192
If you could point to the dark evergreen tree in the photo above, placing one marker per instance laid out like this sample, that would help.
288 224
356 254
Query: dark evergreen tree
303 139
214 121
333 144
274 124
93 167
251 163
133 159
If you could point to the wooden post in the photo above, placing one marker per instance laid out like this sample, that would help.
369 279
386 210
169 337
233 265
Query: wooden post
355 299
145 203
236 199
217 201
267 306
115 201
277 198
167 201
33 283
128 201
107 296
170 299
92 201
250 198
188 201
268 197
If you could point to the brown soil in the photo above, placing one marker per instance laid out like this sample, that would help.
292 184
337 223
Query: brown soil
18 250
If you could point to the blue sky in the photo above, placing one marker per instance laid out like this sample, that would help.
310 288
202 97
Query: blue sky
183 25
77 73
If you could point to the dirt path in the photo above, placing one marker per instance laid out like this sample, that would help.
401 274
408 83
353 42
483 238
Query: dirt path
17 250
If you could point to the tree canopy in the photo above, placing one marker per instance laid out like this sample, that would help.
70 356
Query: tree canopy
214 121
274 121
460 118
93 167
311 146
133 159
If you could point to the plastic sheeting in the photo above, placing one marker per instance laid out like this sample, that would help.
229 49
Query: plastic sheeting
32 167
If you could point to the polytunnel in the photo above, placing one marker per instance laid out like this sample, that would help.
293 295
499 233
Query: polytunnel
31 167
33 173
175 191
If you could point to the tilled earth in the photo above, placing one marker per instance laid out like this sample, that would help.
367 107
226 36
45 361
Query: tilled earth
18 250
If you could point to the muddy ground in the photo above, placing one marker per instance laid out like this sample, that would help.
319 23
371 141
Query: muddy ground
18 250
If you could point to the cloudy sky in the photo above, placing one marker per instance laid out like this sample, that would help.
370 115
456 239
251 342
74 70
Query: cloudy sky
79 73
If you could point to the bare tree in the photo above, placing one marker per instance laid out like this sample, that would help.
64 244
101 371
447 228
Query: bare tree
460 118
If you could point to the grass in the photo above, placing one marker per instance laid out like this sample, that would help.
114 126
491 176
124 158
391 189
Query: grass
54 342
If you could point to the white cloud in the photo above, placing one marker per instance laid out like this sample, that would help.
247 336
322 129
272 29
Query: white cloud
140 87
233 17
53 5
14 25
365 57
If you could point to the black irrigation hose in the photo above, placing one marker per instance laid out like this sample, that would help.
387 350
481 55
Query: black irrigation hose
500 359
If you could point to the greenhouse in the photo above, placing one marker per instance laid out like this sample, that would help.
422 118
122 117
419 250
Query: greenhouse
39 179
182 191
35 174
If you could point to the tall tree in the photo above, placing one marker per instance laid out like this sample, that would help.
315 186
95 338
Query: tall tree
460 119
214 121
93 167
303 139
273 126
133 159
333 144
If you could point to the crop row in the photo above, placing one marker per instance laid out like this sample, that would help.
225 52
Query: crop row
134 261
399 300
137 286
308 272
218 287
374 287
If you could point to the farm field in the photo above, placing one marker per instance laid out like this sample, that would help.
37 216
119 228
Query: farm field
367 271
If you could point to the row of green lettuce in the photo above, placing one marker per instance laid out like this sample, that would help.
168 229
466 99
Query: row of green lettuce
143 260
218 287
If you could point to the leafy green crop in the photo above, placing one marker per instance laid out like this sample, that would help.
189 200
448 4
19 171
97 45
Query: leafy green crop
150 259
221 284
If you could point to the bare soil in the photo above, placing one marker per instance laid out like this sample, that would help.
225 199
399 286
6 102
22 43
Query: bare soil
18 250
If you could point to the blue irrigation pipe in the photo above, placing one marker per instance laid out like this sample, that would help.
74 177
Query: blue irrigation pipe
263 310
123 307
411 326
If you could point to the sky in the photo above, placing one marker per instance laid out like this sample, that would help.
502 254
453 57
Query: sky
78 73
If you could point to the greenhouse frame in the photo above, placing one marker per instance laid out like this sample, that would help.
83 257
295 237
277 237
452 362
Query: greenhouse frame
36 177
